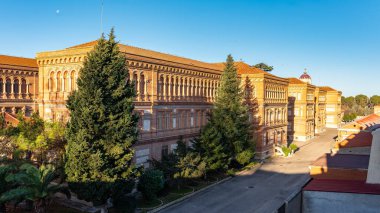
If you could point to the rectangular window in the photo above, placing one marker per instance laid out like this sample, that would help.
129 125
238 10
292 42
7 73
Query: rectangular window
164 150
146 125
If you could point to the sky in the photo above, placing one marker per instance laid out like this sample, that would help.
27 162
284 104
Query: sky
337 41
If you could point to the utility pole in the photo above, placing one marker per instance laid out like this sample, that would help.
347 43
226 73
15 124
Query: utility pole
101 18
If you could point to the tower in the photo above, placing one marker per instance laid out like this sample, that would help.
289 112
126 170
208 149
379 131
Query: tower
305 77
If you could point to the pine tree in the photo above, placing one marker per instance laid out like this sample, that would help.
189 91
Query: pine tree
102 126
227 137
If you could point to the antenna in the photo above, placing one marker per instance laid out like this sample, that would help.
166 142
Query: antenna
101 19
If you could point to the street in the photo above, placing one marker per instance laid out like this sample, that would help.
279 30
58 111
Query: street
266 189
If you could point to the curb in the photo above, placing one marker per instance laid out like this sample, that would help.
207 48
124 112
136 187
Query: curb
187 196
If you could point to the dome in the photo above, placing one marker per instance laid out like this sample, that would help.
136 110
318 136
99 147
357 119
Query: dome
305 77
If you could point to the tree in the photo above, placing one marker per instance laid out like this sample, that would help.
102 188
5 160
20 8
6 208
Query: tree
264 67
103 125
34 185
361 100
228 132
349 101
375 100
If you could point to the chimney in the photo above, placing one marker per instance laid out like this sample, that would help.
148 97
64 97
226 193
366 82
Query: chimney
373 176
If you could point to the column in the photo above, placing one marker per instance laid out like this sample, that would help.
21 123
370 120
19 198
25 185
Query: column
146 89
170 88
164 95
138 87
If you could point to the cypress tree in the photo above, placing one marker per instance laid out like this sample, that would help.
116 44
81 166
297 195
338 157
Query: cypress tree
102 126
227 137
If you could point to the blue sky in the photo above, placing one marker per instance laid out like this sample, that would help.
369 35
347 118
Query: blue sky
337 41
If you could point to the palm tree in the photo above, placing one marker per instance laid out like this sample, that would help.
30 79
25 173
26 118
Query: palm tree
33 184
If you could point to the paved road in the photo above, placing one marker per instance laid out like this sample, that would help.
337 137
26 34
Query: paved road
263 191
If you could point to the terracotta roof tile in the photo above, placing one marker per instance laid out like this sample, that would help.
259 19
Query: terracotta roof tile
154 54
369 120
18 61
361 139
328 88
295 81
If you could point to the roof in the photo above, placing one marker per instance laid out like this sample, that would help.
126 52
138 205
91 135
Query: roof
343 186
369 120
18 61
345 161
360 139
328 89
305 76
157 55
295 81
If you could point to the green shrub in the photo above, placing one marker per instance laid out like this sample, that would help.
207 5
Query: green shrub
286 151
244 157
150 183
293 147
98 192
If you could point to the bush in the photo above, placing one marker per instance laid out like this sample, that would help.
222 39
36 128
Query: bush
98 192
150 183
244 157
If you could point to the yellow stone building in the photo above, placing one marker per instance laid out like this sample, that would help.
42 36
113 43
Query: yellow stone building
333 107
301 110
174 96
271 93
320 110
18 85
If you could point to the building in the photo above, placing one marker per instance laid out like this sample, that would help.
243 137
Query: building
367 123
174 94
320 110
301 110
333 107
376 109
349 179
271 93
18 85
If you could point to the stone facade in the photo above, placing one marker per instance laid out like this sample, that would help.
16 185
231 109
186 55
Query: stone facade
18 85
174 96
271 93
301 121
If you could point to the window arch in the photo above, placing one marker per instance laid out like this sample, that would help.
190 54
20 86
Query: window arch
51 81
1 85
23 86
16 87
59 81
8 86
66 81
72 79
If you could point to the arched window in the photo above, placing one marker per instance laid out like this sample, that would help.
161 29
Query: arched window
8 86
59 82
142 84
1 85
161 87
51 79
23 86
16 88
72 79
66 81
135 82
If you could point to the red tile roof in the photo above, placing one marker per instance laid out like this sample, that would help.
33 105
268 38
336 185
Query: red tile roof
329 89
18 61
344 186
295 81
360 139
158 55
369 120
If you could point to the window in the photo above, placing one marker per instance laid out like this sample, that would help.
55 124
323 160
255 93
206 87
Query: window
146 124
164 150
142 157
